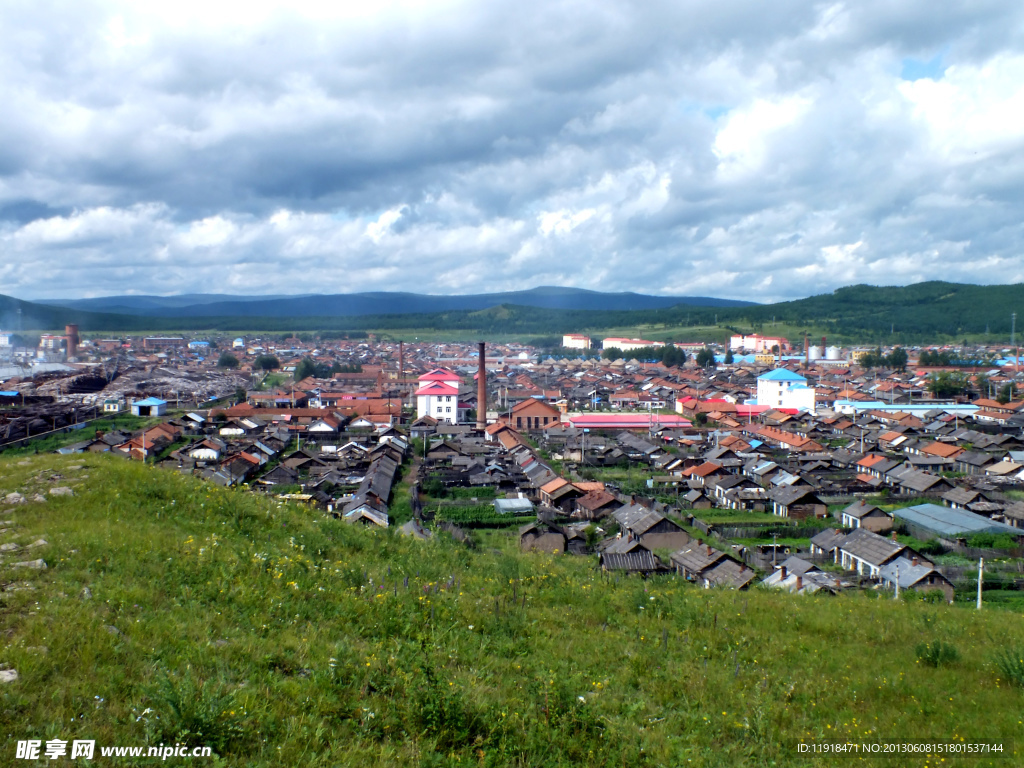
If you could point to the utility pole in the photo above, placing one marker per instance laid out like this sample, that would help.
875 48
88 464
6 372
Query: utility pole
775 547
981 568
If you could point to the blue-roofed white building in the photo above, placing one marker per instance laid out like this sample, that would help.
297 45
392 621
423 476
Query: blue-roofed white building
151 406
782 388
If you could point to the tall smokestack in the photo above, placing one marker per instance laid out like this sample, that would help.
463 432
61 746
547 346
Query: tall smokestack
481 390
71 334
807 352
824 341
401 370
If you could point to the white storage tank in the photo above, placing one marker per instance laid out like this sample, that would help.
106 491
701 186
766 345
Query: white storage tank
832 353
814 353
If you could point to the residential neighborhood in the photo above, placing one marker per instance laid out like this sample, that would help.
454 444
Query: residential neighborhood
868 477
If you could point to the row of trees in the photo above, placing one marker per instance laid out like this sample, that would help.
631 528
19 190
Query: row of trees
306 367
897 359
669 355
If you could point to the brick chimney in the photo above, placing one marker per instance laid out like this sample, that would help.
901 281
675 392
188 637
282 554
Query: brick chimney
481 390
711 550
785 573
799 583
914 561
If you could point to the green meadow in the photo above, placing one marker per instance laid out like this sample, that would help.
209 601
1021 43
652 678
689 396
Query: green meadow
173 611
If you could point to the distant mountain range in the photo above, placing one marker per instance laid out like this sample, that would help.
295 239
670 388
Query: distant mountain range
380 303
925 312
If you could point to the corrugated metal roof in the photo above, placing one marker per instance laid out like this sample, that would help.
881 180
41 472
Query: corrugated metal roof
946 521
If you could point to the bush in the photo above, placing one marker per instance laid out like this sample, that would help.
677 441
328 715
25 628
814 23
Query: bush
196 714
227 360
992 541
937 653
1010 663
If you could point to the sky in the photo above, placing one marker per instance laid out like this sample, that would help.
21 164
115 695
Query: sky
748 150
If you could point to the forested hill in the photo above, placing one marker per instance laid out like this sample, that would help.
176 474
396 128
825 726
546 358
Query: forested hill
929 311
382 303
932 308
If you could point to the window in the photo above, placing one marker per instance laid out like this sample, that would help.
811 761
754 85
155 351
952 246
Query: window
448 409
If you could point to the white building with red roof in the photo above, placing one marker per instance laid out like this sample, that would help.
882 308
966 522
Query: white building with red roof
438 396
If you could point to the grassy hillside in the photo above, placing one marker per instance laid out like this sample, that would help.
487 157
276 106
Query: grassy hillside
926 312
171 610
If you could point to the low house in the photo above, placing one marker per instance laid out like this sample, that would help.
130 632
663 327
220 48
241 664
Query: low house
797 502
629 555
697 499
541 537
803 578
595 505
866 552
826 542
113 405
914 573
532 414
862 515
652 529
710 567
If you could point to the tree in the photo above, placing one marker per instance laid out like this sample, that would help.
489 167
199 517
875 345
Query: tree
240 395
948 384
612 354
227 360
898 359
706 358
1005 393
305 369
729 359
266 363
981 383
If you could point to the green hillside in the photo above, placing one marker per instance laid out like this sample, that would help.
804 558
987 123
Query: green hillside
174 611
926 312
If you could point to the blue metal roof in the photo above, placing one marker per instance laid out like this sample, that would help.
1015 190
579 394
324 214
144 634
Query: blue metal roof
150 401
946 521
781 374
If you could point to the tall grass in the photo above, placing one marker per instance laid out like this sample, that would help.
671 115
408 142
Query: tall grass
282 637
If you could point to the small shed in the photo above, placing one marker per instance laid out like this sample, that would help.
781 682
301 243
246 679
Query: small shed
150 406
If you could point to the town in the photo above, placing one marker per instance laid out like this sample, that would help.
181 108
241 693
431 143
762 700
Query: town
807 468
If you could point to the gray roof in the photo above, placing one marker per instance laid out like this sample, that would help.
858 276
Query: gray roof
787 495
695 557
827 539
729 573
798 565
860 509
920 481
906 572
870 547
945 521
639 560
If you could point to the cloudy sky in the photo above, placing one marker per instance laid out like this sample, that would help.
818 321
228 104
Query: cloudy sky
749 150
